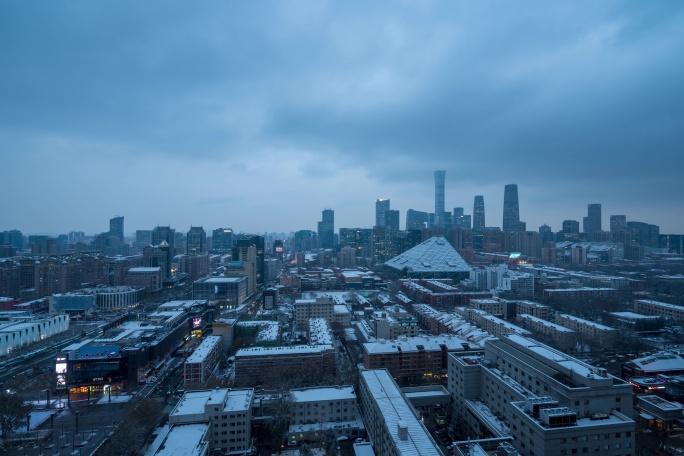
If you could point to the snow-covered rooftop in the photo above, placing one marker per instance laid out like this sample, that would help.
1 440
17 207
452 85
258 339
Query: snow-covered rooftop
183 440
413 344
273 351
204 349
430 256
395 411
323 394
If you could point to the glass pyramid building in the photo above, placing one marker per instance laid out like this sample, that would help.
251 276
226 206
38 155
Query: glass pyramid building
430 259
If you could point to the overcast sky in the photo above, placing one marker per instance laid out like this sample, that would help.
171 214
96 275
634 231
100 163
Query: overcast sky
259 115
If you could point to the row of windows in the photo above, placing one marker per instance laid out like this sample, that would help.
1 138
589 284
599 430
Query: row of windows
596 449
315 404
240 431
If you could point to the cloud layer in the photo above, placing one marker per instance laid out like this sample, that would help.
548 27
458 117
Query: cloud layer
258 116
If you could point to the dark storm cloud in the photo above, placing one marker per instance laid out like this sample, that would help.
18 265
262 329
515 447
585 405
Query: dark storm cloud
576 102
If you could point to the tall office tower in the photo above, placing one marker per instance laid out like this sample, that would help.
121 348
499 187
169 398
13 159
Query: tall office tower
245 251
76 236
511 208
167 236
222 241
303 240
546 233
479 213
460 220
143 238
381 206
13 238
570 230
326 229
179 243
592 222
245 240
440 176
116 227
384 244
644 234
392 220
359 238
278 249
618 223
347 257
196 241
416 220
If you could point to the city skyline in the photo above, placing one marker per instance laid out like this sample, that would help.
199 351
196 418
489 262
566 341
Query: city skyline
258 117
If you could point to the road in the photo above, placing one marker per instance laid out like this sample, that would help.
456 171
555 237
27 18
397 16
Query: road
77 429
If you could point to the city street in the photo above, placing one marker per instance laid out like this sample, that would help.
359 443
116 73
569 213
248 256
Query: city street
77 429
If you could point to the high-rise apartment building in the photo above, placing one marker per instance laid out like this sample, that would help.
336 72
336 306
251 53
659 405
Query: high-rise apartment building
165 238
592 222
326 229
546 233
392 220
196 241
116 227
260 243
479 213
511 208
460 220
222 241
416 220
618 223
13 238
246 252
143 238
440 176
358 238
381 206
570 231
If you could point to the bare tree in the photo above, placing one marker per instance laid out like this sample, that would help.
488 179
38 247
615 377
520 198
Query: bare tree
330 443
279 421
132 433
14 413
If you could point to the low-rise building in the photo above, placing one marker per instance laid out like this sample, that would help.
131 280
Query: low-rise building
658 413
253 364
580 293
230 292
563 338
99 298
316 411
660 309
549 402
532 308
21 329
494 325
149 278
392 423
306 309
199 365
664 363
594 333
228 413
412 358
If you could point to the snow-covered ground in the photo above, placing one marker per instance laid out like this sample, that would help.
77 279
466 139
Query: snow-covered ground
115 399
